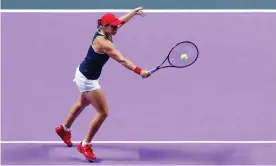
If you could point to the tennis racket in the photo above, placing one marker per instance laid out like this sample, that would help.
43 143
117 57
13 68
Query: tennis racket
186 48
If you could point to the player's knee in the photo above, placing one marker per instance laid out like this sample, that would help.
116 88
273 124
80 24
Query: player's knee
81 104
103 112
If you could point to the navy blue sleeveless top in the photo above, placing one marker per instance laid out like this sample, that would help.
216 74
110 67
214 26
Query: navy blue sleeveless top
91 66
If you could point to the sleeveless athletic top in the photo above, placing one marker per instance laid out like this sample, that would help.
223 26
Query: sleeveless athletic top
91 66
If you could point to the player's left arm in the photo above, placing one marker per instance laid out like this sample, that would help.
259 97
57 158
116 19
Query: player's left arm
127 17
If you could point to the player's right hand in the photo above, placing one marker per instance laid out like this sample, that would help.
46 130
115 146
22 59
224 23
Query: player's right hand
145 73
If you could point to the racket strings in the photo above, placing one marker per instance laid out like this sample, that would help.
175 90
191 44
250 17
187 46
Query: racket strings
185 48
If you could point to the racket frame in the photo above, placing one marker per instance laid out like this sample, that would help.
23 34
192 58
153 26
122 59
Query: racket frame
171 65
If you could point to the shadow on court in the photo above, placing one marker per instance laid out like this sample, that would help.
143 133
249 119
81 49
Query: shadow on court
165 155
34 154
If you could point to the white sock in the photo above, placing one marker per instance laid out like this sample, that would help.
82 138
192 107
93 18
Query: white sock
85 143
65 128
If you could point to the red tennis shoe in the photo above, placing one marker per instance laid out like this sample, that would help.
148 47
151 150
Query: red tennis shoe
64 135
87 151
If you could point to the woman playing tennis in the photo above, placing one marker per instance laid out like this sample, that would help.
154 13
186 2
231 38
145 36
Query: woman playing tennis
87 75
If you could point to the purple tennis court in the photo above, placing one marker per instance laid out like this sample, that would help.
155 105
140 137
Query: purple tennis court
227 95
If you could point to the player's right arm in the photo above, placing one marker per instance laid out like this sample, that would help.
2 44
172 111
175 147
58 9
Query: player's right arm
110 49
116 55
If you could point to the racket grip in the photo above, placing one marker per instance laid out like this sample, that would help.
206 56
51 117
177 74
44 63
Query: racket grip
153 70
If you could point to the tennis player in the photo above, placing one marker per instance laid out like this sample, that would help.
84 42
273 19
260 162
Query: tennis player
87 76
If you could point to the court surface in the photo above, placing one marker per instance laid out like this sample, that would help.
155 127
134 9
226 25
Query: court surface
227 95
140 154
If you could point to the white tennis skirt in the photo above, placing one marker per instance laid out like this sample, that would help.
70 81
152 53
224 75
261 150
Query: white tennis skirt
84 84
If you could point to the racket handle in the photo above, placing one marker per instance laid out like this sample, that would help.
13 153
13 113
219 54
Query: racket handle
153 70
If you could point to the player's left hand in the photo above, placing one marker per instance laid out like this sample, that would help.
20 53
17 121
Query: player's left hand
139 11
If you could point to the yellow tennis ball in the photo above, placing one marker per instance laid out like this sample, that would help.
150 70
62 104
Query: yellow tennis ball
184 56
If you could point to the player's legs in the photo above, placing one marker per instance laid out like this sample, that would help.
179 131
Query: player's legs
98 101
75 111
64 130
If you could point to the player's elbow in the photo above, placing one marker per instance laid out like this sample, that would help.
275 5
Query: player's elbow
122 61
116 56
126 63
